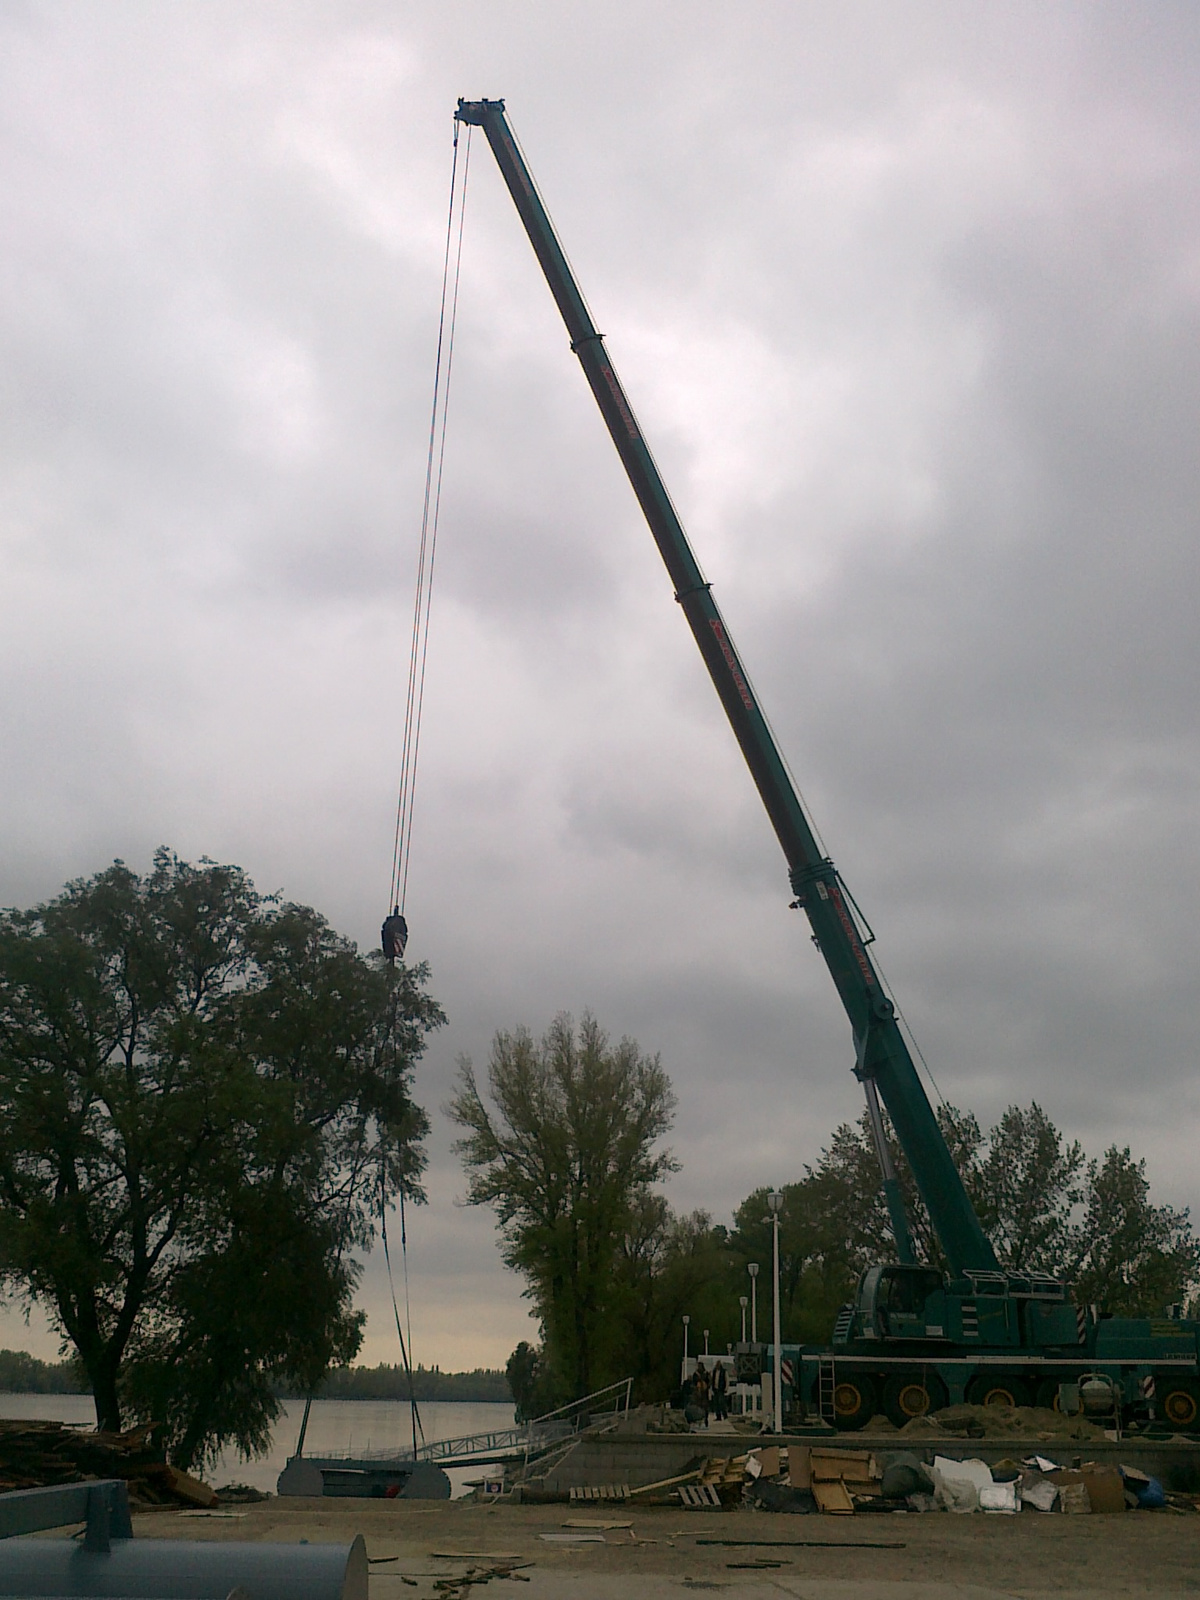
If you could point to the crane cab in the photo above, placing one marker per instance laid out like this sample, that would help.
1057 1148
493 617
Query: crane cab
900 1302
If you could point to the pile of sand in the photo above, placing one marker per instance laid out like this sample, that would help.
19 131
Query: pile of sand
1000 1422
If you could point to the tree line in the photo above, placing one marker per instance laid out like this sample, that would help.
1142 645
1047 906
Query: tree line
565 1146
22 1373
484 1384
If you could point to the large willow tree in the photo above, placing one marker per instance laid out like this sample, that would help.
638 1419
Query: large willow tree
204 1101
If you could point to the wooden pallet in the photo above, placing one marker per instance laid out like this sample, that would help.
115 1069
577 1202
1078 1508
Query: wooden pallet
700 1496
601 1491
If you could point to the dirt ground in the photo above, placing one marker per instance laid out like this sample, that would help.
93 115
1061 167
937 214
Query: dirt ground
943 1557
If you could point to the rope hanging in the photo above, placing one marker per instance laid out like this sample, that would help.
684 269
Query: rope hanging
395 928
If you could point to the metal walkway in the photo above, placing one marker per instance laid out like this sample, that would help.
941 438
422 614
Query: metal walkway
526 1442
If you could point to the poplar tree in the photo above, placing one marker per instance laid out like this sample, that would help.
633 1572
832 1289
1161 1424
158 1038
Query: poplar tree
565 1152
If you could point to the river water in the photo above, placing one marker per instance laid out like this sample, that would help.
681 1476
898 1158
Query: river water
333 1425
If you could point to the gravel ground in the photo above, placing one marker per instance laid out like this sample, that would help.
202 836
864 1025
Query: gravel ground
945 1557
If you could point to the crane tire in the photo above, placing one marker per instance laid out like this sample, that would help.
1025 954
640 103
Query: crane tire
854 1403
998 1389
1177 1402
912 1394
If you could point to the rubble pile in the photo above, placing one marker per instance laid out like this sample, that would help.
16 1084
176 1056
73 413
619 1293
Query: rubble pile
838 1482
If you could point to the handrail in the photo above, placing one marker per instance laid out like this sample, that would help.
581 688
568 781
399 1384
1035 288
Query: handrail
530 1438
597 1394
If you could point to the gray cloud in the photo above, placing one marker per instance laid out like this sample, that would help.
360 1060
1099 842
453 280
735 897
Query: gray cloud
907 301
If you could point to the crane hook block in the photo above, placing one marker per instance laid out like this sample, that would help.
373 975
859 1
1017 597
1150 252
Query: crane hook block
394 935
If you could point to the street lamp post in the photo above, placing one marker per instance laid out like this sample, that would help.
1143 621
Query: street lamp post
706 1341
683 1375
775 1202
752 1269
743 1302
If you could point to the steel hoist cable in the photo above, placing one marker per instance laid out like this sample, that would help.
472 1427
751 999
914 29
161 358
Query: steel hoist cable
405 1344
395 928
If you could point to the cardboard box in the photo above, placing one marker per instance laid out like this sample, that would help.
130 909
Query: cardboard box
1106 1491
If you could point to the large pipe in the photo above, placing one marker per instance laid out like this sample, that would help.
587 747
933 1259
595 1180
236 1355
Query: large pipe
175 1569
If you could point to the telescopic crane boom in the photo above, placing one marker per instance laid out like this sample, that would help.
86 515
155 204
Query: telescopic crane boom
882 1059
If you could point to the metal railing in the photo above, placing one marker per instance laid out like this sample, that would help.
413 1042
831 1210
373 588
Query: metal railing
528 1439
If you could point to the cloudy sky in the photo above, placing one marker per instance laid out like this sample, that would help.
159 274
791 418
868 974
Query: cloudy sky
907 297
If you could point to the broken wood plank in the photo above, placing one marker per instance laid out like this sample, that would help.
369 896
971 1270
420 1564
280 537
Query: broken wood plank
833 1498
807 1544
667 1483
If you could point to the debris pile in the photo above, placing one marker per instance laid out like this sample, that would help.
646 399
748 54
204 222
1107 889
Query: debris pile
459 1588
1035 1484
838 1482
36 1454
240 1494
773 1478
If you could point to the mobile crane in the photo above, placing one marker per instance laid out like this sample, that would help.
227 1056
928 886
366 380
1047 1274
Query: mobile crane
914 1337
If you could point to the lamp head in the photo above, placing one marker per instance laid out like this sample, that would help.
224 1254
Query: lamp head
686 1320
743 1301
775 1202
752 1269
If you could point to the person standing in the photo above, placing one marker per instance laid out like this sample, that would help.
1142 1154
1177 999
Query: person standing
720 1391
702 1392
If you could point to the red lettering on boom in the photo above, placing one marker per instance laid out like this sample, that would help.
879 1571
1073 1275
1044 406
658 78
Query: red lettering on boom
614 387
731 663
851 932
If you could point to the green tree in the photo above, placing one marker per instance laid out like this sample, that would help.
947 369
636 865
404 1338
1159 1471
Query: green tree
525 1372
1042 1203
564 1153
1027 1187
1131 1256
670 1265
204 1099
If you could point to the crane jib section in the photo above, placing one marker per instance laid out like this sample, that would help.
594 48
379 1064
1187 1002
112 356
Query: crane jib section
881 1051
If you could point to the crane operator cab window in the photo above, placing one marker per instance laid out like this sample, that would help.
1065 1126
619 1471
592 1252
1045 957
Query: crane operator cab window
901 1296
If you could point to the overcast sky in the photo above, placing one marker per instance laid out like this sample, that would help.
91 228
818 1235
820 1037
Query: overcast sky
907 298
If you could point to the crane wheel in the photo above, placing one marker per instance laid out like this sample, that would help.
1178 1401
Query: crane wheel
999 1390
854 1402
912 1394
1178 1403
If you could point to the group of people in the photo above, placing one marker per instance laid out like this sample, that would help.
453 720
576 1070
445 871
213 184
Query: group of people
707 1392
